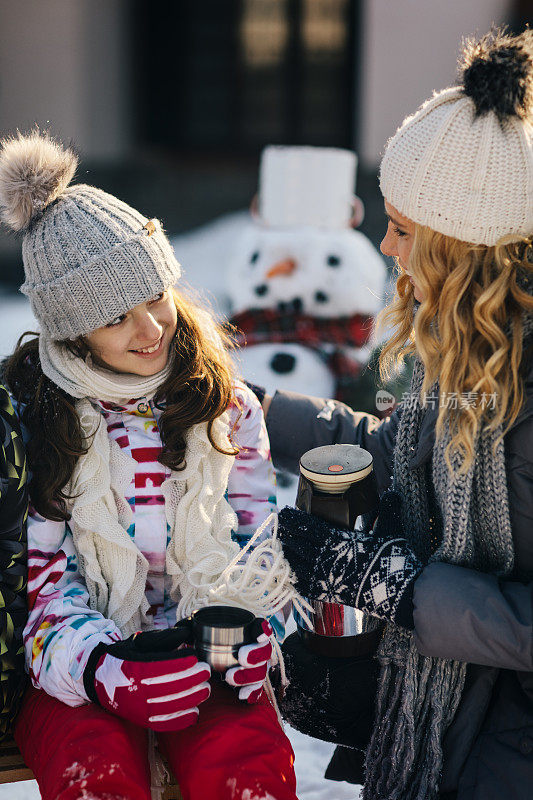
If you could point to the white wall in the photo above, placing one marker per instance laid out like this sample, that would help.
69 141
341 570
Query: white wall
63 65
411 49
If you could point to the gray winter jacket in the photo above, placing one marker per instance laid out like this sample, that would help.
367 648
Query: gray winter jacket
459 613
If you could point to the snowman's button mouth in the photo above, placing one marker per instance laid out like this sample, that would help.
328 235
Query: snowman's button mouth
261 290
294 306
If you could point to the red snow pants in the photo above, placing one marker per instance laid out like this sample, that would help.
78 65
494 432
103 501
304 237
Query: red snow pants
234 752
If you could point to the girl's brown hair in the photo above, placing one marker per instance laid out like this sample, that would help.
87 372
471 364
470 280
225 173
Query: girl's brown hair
198 389
468 330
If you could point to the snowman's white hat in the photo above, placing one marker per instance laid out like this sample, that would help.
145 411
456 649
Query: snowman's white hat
307 186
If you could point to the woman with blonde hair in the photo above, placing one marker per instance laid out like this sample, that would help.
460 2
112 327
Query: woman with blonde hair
448 567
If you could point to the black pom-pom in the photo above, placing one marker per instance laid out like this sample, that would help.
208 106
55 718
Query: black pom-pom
497 74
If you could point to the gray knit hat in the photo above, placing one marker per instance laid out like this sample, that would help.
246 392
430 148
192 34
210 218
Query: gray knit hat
463 163
88 257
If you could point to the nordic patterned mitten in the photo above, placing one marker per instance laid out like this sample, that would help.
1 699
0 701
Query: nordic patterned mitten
254 659
153 679
374 572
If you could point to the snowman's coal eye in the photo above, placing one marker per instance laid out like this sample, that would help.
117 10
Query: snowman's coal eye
333 261
254 257
282 363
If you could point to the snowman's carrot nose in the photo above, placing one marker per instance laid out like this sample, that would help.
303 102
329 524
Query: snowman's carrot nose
285 267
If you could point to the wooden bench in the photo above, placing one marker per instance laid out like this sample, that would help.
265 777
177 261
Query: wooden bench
13 769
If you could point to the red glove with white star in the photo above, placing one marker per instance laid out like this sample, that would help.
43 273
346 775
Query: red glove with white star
254 660
150 679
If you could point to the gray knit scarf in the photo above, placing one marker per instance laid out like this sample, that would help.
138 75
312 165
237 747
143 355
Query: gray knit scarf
418 696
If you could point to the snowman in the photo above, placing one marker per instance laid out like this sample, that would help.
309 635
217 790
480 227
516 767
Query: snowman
303 284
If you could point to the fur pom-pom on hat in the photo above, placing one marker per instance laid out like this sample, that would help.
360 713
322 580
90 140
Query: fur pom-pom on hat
34 171
497 74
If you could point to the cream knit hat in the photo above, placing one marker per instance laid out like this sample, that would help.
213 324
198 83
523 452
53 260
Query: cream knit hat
463 163
88 257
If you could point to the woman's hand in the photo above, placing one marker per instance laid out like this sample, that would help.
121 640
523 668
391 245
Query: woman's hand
374 572
150 679
254 659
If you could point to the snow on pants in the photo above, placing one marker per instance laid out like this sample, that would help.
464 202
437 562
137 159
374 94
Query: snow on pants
234 752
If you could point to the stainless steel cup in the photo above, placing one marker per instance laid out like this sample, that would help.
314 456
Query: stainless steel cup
219 632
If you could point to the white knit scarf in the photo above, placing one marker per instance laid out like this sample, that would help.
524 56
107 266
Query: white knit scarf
200 518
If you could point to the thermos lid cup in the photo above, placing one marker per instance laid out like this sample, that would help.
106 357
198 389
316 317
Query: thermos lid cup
219 632
222 625
334 468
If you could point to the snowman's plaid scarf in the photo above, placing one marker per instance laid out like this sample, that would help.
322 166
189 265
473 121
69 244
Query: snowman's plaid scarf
258 326
330 337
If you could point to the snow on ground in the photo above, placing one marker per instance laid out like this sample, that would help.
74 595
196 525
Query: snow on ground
312 755
15 318
24 790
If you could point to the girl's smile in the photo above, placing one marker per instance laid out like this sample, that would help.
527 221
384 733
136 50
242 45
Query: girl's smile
137 342
151 350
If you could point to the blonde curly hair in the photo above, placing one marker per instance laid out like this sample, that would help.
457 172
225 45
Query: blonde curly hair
468 330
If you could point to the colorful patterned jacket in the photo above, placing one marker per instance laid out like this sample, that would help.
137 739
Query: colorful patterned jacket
62 629
13 570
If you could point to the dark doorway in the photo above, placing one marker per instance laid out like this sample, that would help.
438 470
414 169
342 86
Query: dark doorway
233 75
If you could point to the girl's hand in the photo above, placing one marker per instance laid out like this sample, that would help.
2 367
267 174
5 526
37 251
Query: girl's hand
254 659
155 688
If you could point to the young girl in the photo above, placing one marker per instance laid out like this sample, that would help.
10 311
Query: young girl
449 565
150 469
